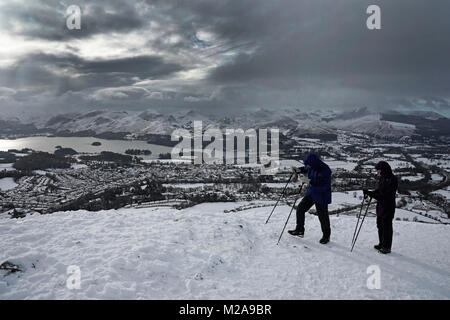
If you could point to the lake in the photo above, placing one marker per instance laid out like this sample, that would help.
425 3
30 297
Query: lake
82 145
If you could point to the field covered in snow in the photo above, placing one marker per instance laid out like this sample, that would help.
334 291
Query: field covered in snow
7 184
445 193
413 178
203 253
444 163
6 167
395 164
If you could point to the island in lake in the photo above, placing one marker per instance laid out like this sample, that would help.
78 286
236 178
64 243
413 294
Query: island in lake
138 152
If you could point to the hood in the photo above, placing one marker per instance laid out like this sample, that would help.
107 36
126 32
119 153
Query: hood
385 168
313 161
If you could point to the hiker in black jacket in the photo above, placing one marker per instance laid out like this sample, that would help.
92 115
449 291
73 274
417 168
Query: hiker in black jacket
385 196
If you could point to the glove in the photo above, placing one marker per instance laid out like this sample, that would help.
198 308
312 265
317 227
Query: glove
304 179
365 193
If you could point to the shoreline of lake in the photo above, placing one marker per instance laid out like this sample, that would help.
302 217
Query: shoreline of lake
81 145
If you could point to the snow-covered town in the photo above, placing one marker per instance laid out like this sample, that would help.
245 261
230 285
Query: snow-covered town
94 185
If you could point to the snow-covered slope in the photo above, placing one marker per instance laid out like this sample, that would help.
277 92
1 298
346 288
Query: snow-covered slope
114 121
373 125
156 123
204 253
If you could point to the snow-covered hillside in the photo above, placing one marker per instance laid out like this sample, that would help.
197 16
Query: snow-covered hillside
204 253
373 125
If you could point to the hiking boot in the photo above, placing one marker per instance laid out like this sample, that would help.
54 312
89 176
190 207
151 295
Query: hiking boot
296 233
377 246
384 250
324 240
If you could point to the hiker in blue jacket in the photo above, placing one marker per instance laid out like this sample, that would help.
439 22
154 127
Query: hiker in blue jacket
318 193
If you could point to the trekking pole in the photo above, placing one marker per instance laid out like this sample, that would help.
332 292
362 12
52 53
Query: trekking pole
365 214
290 214
282 193
357 222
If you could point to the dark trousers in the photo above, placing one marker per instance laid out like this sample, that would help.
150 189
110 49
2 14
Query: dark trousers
322 212
385 231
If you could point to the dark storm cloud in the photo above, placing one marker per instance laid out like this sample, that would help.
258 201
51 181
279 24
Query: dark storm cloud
72 73
305 48
260 52
140 66
47 19
329 40
233 20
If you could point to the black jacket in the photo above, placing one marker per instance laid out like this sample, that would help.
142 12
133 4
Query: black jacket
386 191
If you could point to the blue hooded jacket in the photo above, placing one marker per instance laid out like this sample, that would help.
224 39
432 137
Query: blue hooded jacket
319 188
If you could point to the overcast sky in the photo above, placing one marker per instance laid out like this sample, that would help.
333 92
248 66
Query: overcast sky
223 55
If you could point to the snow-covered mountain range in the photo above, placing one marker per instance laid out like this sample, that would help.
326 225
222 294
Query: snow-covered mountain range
291 122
